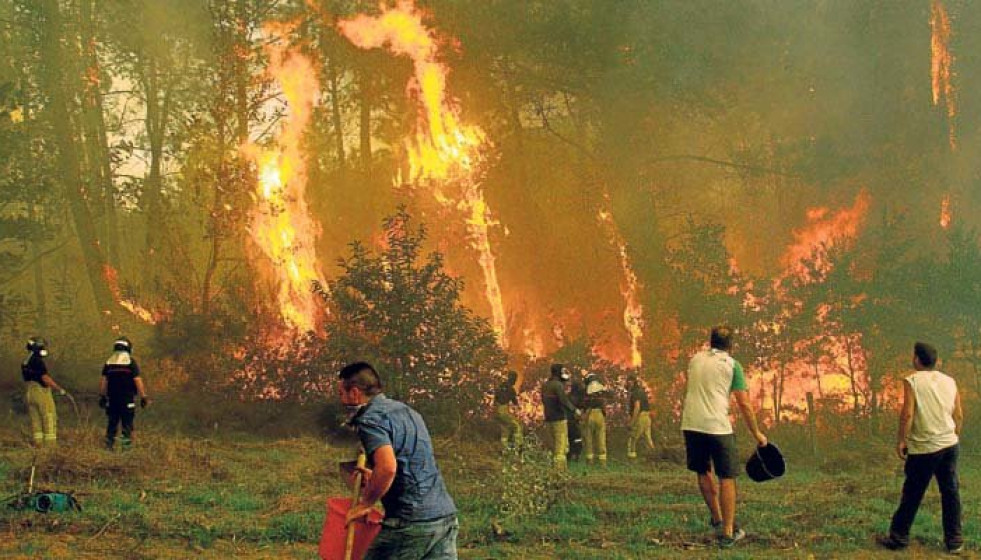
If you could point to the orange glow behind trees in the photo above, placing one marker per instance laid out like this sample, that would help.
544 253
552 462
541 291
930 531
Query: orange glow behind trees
822 230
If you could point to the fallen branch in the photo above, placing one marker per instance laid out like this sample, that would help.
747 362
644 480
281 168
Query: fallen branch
106 526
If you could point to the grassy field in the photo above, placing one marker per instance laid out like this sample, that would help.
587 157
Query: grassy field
244 497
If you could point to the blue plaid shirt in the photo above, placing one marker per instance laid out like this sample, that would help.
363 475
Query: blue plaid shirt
418 492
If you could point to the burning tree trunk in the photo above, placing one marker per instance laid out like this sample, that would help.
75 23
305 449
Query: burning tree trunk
69 168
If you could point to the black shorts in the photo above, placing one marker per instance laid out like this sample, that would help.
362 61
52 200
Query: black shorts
711 452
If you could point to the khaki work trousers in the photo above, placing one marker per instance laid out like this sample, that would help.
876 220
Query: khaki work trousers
560 442
594 434
639 429
510 427
41 409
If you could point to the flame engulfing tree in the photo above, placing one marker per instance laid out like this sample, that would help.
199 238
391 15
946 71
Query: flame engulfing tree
402 312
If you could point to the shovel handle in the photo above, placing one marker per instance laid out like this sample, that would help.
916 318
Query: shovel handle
349 544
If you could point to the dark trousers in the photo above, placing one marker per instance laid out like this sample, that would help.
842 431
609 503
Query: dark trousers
116 415
575 437
919 470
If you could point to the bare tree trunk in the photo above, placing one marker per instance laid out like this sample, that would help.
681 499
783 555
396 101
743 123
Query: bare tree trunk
851 374
215 227
96 139
40 300
157 118
817 377
333 85
365 131
779 397
68 164
974 358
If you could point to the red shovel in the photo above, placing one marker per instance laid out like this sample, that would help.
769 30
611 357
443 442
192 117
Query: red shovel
338 542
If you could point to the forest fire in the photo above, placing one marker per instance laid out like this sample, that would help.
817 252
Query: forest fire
823 230
945 215
941 63
633 313
830 365
112 279
282 227
443 152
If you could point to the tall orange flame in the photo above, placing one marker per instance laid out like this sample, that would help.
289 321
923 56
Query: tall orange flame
945 216
941 63
282 226
633 312
443 151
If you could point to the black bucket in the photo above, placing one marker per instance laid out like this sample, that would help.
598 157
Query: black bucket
766 464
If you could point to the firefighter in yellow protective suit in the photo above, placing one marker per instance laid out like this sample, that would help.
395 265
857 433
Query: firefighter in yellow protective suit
640 417
594 423
505 397
40 403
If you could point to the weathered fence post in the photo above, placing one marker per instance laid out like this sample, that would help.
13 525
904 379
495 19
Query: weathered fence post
812 423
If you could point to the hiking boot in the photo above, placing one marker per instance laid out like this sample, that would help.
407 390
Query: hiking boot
891 543
728 542
955 549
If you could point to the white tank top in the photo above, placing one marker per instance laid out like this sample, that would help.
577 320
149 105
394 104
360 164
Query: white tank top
933 416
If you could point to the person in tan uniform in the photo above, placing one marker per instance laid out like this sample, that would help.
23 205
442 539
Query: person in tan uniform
505 397
40 403
594 423
640 417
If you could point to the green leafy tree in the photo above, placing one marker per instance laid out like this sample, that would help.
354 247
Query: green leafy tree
403 313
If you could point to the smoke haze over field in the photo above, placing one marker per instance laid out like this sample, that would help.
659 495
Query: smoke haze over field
628 172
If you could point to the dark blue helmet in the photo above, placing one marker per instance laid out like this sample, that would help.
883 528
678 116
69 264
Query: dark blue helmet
37 345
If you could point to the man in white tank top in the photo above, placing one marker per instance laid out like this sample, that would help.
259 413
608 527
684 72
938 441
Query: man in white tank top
929 428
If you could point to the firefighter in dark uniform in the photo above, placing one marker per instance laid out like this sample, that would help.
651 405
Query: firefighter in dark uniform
118 388
557 405
40 403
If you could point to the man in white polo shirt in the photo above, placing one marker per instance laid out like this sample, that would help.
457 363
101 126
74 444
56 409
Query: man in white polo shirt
713 375
929 427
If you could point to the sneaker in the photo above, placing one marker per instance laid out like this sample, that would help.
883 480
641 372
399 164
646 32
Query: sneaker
891 543
956 549
728 542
